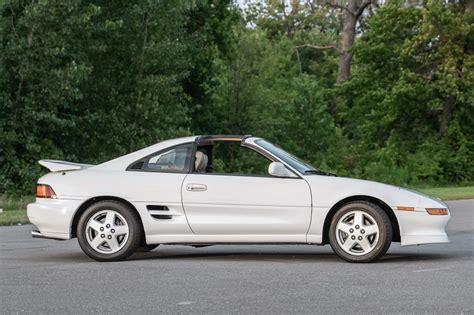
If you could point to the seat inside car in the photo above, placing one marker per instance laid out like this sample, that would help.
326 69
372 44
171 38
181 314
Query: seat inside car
201 161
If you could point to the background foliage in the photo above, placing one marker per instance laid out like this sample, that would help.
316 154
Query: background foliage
88 81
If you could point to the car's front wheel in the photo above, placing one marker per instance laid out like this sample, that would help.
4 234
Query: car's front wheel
109 231
360 232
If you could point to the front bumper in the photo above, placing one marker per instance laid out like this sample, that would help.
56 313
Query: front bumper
52 218
418 227
423 239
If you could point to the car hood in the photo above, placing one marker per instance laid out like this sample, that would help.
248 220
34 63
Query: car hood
328 190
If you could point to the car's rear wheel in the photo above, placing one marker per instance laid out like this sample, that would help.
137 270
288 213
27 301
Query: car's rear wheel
360 232
109 231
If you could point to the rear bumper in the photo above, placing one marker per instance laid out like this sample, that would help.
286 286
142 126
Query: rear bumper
52 218
35 233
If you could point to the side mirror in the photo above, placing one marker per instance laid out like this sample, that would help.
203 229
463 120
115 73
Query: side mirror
279 170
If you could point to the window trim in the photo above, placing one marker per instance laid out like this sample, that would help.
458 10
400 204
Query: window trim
244 175
272 158
249 146
289 166
149 170
195 143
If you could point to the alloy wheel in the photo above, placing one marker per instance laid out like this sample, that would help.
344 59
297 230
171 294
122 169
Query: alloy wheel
357 233
107 231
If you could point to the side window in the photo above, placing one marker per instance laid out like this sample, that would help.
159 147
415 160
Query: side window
232 158
175 160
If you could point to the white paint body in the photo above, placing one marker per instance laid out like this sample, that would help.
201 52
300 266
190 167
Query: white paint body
231 209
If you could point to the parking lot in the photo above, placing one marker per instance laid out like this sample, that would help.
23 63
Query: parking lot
56 277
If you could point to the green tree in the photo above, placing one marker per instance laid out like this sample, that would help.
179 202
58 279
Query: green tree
211 25
86 81
263 92
411 95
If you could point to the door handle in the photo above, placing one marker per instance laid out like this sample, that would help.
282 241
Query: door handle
196 187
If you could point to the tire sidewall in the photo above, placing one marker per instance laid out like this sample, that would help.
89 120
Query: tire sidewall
134 236
384 225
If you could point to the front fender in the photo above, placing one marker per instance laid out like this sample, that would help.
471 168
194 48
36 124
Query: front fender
328 191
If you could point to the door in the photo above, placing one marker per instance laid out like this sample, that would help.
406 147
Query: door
246 205
234 195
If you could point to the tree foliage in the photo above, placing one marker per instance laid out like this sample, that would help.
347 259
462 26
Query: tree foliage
91 80
411 98
87 81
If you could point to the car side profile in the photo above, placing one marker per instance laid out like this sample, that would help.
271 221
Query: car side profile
226 189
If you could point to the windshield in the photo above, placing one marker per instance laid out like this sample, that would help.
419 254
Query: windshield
286 157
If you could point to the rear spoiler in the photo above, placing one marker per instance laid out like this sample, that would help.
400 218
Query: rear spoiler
59 166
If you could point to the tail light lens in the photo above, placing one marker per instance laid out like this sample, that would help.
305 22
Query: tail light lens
44 191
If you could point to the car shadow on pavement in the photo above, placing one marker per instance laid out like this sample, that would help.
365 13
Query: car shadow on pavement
240 256
290 254
413 257
243 256
277 256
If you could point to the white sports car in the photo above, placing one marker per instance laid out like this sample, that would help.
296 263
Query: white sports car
205 190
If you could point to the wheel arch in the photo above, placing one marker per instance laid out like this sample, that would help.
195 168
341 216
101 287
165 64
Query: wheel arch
378 202
86 204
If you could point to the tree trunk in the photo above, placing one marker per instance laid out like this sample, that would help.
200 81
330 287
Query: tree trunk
448 109
22 85
348 35
352 13
469 5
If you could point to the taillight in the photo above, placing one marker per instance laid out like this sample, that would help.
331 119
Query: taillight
44 191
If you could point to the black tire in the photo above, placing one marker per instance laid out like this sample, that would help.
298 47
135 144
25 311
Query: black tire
146 248
134 235
380 246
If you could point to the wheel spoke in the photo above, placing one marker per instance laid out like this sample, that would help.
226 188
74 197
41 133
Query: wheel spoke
358 218
110 218
371 229
364 244
95 225
347 246
121 229
113 243
344 227
97 241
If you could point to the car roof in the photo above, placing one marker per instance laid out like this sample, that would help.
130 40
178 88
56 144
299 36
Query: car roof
211 138
122 162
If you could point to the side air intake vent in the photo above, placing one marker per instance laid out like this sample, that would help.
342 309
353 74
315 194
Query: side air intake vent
161 217
155 207
155 212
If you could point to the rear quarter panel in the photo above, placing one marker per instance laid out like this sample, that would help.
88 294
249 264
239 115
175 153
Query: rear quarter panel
138 188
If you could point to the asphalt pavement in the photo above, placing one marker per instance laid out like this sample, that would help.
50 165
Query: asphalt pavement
46 276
